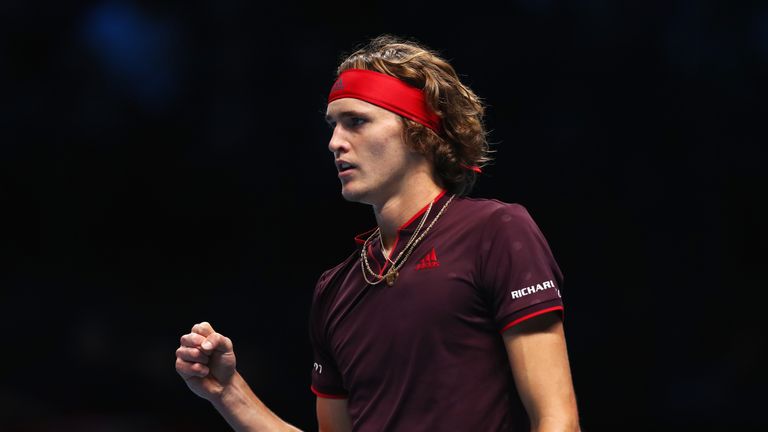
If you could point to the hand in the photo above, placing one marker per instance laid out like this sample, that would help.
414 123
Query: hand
206 361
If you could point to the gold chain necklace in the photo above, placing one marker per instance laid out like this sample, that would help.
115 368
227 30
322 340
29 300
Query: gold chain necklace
377 232
410 241
393 271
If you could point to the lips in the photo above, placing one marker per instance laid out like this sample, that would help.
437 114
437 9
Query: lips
342 166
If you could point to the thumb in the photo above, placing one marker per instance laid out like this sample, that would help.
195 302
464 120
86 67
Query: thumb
216 342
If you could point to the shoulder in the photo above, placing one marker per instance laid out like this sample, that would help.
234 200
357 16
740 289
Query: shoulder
488 205
328 276
491 212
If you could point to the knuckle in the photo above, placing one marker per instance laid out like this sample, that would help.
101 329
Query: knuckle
183 353
190 354
190 340
185 368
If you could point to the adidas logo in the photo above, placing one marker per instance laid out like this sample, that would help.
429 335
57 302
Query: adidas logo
429 261
338 85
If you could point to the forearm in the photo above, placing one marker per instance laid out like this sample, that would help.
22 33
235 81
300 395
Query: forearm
561 415
539 361
556 424
245 412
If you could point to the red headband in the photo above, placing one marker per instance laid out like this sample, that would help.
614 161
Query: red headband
387 92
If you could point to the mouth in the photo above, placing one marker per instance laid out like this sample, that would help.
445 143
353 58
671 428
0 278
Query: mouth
343 166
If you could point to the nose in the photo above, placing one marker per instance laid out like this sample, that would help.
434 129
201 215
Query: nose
338 144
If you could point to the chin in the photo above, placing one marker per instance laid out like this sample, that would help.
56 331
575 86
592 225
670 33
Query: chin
350 195
354 194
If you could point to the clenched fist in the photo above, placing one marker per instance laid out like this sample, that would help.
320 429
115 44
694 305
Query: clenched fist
206 361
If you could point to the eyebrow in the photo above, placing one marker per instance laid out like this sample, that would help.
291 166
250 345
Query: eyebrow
345 114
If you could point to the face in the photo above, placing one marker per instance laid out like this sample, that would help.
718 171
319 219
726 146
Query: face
369 151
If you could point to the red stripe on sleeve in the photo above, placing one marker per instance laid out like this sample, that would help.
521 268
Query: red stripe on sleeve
325 395
537 313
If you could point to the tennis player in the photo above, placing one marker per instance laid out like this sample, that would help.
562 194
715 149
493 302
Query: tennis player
448 314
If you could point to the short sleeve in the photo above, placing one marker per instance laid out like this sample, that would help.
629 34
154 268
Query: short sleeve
517 271
326 379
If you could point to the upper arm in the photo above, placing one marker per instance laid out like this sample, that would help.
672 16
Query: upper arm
332 415
539 361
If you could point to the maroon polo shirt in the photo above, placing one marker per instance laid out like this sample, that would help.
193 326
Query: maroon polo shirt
426 354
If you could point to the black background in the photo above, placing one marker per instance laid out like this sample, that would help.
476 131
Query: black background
165 163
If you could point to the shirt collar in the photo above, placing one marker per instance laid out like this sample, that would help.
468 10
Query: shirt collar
410 225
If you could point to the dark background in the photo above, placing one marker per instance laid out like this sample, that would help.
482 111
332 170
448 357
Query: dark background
164 163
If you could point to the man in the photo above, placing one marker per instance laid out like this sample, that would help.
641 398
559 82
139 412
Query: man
448 316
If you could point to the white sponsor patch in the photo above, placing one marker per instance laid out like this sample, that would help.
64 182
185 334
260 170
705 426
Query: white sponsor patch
522 292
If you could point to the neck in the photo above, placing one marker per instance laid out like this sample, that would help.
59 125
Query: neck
395 211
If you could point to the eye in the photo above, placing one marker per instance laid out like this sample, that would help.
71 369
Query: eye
356 121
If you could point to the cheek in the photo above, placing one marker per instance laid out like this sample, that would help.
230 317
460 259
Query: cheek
389 148
389 158
377 149
393 146
380 152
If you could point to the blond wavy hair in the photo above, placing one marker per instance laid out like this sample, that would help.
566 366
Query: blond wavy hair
462 141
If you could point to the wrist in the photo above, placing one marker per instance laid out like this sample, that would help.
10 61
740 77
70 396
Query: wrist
230 394
243 410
